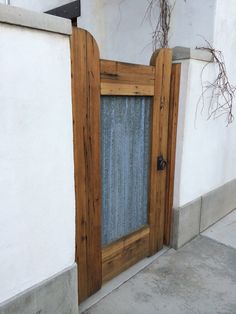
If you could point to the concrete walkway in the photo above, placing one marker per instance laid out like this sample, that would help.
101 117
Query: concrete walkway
198 278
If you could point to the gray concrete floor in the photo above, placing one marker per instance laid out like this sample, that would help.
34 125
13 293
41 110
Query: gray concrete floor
224 231
198 278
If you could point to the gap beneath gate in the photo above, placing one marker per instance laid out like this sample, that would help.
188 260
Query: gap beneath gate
119 280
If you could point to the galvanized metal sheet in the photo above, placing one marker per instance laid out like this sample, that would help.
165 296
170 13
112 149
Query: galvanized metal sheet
125 164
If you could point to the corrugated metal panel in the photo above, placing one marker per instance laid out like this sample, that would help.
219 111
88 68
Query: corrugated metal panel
125 164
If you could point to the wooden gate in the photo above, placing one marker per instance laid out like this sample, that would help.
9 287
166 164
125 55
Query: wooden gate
93 78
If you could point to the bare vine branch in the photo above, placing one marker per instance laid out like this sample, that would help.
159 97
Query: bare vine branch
160 35
222 92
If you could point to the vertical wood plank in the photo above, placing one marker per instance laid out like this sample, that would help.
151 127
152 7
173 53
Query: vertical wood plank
172 132
86 119
162 60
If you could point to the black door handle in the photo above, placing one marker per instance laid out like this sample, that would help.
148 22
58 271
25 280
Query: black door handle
161 163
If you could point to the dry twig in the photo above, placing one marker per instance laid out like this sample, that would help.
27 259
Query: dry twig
160 35
222 92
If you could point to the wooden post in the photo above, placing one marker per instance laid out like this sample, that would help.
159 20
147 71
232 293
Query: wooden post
162 60
172 132
86 119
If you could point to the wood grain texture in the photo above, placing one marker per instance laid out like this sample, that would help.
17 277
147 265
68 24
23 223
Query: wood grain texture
124 253
86 119
126 72
162 60
91 78
126 89
172 133
118 78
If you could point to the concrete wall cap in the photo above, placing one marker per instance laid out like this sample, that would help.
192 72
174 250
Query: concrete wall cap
183 53
42 21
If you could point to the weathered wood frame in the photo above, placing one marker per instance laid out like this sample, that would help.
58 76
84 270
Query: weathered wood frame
171 149
86 120
91 78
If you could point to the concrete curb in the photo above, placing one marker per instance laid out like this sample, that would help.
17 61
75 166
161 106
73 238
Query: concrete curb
195 217
57 294
186 223
21 17
183 53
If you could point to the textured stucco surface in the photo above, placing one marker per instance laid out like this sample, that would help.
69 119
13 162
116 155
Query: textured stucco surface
37 200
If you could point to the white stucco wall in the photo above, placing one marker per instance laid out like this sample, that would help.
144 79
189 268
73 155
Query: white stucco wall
123 33
192 22
224 33
206 153
119 28
37 232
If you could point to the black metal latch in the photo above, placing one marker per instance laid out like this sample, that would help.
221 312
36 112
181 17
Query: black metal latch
161 163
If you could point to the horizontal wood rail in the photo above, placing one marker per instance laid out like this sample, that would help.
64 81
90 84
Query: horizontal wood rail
124 79
124 253
126 90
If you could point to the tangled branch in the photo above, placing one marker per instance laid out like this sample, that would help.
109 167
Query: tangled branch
222 92
160 35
